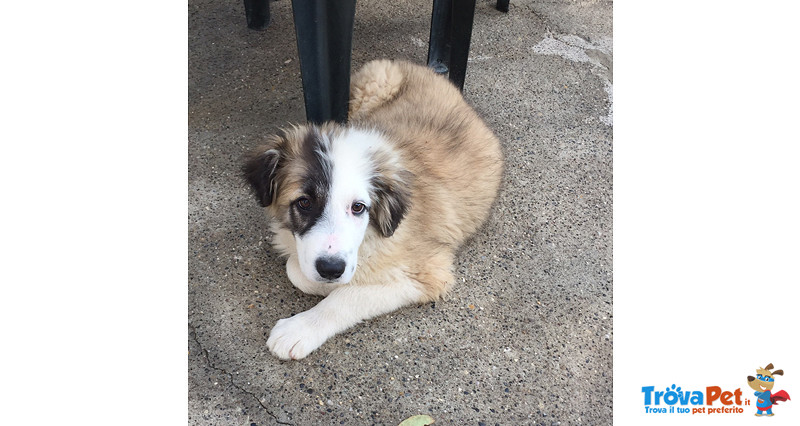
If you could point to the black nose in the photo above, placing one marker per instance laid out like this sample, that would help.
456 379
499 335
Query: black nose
330 268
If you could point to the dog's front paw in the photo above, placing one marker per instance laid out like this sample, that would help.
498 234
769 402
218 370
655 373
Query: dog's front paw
296 337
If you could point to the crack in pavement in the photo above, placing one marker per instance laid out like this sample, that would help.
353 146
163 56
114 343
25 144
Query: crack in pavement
222 370
541 17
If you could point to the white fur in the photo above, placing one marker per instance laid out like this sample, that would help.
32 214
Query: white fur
339 232
346 306
441 198
300 281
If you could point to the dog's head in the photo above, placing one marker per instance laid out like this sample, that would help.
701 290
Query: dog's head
765 379
327 184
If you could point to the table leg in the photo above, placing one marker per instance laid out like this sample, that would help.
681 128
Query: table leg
257 12
463 13
324 31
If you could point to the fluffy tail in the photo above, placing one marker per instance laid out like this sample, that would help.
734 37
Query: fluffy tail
374 84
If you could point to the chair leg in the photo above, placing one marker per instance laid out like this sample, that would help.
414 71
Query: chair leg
502 5
463 13
324 41
439 43
257 12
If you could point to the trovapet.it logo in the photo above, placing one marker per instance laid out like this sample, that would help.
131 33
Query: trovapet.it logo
715 400
675 400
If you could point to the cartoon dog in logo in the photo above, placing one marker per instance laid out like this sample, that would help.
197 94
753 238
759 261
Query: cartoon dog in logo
763 383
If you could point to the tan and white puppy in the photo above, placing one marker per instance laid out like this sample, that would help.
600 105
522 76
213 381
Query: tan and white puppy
370 214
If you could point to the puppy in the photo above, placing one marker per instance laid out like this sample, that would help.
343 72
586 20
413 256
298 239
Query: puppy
370 214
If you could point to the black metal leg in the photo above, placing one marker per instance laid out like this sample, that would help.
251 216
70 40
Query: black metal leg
257 12
324 41
439 43
502 5
463 13
451 31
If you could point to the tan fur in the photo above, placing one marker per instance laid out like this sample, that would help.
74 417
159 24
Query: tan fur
456 158
442 158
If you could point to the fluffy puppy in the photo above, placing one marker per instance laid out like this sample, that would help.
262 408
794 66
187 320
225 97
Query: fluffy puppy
370 214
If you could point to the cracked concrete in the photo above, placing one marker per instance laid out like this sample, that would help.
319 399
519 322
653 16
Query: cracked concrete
525 337
212 374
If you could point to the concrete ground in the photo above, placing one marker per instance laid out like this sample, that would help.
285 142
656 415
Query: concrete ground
526 335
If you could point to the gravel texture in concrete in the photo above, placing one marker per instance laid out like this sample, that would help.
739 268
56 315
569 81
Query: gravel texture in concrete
526 335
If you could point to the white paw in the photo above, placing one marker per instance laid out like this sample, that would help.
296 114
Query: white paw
296 337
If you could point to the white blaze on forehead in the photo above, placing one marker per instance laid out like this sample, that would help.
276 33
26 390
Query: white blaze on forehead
351 155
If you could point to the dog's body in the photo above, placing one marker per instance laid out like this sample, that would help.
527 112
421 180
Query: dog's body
395 192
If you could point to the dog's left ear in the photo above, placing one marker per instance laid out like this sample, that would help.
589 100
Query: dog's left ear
777 372
391 198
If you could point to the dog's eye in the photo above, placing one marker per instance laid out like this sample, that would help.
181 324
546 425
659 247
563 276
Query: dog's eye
358 208
303 203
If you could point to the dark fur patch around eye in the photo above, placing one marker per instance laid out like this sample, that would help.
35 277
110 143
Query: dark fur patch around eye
303 220
315 155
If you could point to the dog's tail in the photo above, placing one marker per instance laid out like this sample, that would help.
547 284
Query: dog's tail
375 84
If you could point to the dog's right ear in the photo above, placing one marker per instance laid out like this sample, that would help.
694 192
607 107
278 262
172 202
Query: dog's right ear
259 169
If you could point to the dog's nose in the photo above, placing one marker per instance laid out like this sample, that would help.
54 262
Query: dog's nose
330 268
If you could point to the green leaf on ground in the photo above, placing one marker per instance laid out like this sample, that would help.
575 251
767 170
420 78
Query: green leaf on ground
420 420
